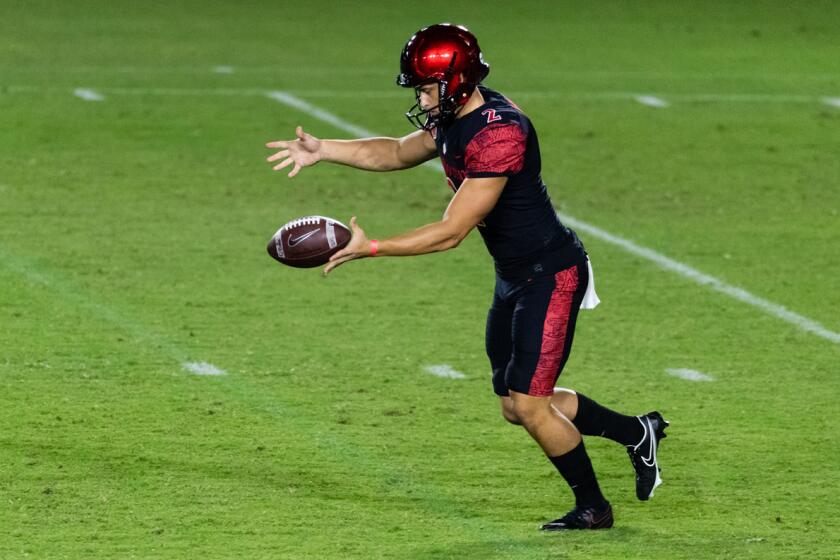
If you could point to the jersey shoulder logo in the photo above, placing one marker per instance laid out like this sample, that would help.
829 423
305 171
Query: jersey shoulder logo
491 115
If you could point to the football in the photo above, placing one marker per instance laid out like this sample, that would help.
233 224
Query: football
309 241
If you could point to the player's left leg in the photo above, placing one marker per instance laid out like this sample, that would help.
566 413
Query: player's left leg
639 434
563 446
542 330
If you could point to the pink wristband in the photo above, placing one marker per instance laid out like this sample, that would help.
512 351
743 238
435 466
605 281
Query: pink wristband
374 247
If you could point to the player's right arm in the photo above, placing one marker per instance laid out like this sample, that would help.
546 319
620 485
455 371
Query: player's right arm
372 154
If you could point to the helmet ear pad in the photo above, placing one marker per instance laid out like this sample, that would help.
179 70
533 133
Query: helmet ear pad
460 89
453 94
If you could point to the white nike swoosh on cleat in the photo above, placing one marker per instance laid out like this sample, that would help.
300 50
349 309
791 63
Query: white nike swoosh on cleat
650 460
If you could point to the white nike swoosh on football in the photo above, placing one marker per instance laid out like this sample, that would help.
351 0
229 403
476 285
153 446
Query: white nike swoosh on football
296 240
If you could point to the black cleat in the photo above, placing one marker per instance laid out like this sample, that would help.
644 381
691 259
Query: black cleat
643 454
582 518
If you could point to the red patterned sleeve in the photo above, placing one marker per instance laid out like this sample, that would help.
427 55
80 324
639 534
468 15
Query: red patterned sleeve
496 150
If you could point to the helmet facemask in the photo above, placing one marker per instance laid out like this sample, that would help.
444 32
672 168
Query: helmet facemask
447 108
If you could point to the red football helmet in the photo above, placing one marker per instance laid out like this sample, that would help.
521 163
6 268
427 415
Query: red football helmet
449 55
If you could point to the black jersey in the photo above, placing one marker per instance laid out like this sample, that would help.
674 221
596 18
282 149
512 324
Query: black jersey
522 232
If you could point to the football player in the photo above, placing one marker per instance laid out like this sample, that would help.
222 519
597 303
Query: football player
491 155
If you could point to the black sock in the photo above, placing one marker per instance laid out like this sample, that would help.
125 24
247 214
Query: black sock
576 468
592 419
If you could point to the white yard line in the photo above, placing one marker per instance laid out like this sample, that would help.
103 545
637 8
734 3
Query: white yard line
444 370
667 263
689 374
297 103
88 94
651 101
832 101
203 368
223 69
703 279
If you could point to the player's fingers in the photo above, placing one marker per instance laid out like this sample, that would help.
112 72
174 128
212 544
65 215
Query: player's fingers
294 171
278 155
331 265
277 144
339 255
285 163
334 262
299 133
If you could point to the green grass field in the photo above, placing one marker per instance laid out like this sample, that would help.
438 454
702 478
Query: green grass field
132 241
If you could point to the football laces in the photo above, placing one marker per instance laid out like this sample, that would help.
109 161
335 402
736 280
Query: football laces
305 221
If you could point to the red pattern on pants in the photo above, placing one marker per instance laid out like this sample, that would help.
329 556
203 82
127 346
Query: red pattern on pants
555 331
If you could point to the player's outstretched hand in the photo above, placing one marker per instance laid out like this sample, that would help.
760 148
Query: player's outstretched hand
303 151
358 248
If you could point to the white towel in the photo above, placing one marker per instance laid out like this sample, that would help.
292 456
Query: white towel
590 298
